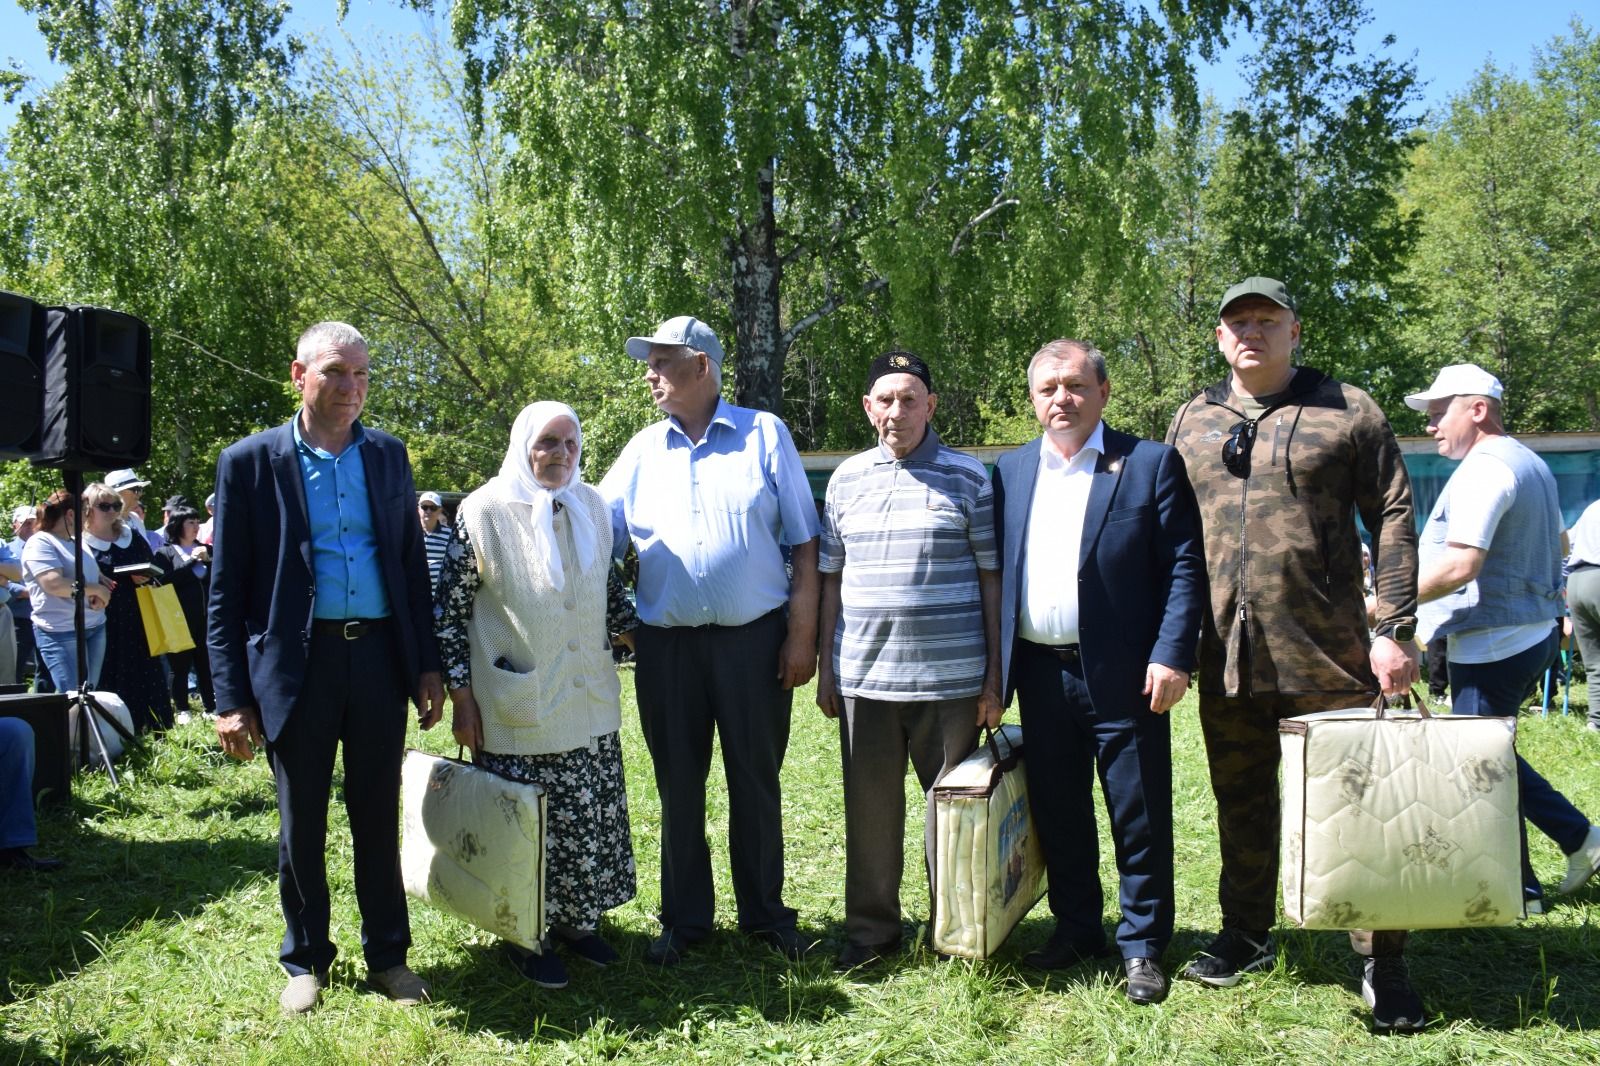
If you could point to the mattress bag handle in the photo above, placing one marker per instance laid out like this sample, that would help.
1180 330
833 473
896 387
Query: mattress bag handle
1413 700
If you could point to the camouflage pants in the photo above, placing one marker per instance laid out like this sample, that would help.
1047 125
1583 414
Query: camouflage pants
1242 749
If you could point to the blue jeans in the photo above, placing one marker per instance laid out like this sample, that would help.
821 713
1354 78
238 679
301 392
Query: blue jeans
17 829
60 653
1498 688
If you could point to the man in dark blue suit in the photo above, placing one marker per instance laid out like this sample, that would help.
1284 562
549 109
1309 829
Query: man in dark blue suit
320 628
1103 585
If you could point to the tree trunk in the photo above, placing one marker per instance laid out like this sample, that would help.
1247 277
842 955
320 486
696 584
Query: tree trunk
757 334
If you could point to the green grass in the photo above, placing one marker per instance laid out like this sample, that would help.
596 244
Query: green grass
159 944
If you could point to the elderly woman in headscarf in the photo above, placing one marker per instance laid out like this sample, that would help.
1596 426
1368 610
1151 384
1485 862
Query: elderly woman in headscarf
527 602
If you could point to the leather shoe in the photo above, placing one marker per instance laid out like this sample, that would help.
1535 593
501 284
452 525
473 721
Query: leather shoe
1146 983
1064 954
302 993
19 859
864 956
785 942
401 985
668 949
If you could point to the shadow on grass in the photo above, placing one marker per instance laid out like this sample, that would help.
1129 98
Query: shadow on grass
726 980
77 1048
54 923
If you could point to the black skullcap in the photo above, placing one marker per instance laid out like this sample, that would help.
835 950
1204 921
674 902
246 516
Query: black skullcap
899 363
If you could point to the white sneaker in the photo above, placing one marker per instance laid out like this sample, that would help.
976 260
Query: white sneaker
1583 863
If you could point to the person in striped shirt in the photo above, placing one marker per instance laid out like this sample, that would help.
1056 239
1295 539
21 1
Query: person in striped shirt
436 533
909 630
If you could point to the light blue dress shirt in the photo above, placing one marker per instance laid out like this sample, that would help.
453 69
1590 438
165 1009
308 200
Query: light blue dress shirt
344 547
7 589
709 518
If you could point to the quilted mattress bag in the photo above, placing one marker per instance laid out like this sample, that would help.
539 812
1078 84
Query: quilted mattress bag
1400 820
988 869
473 845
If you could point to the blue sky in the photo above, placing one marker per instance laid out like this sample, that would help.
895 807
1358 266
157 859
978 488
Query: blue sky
1450 38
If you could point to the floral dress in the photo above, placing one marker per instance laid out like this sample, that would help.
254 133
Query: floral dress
589 866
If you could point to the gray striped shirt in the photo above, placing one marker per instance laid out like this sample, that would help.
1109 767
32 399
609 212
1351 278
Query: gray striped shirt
909 536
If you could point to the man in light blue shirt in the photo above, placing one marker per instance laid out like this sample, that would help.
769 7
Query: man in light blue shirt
709 498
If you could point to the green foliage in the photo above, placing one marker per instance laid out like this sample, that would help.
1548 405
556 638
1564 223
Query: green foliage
1507 189
140 181
833 179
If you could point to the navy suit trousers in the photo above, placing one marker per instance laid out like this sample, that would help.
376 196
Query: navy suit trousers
1065 740
352 694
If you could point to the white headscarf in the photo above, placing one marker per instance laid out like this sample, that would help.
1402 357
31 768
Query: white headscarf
516 484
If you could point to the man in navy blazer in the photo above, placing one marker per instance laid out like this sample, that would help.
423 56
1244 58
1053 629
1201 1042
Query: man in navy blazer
320 628
1102 588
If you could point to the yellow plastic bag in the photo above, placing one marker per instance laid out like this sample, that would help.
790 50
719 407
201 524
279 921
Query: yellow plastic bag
165 628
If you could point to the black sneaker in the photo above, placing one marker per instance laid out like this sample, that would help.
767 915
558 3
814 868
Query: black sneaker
1386 986
1232 955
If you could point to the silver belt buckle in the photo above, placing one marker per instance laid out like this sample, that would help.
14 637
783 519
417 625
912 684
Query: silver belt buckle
355 629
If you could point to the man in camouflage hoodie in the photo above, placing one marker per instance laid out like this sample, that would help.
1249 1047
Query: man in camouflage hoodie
1282 458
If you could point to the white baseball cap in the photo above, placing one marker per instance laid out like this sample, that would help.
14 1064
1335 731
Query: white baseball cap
23 513
1461 379
430 497
684 330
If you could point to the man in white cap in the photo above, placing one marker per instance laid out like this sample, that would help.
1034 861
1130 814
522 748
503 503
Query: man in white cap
1490 580
130 487
436 533
710 497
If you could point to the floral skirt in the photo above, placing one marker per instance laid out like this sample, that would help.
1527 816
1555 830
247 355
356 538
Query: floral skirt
588 847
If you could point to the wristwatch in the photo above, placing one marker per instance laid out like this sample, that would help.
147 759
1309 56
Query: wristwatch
1399 632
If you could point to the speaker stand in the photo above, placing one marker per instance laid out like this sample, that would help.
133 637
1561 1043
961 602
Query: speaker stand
89 709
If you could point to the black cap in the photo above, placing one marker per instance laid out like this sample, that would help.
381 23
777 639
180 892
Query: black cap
899 363
177 503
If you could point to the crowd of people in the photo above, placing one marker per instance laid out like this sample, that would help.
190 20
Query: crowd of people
1092 577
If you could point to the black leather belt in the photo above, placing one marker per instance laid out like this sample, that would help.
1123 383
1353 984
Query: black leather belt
347 628
1067 653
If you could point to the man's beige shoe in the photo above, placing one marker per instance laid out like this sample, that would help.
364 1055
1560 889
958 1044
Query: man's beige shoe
301 994
401 985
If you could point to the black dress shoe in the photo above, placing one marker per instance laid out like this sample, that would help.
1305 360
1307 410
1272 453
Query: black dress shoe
19 859
1064 954
1146 982
668 948
862 956
785 942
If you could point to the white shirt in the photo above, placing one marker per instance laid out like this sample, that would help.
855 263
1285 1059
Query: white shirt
1475 512
1585 537
1055 522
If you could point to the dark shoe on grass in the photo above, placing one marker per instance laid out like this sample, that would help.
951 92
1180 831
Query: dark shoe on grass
1146 983
588 946
864 956
786 942
1063 954
1386 986
543 968
669 948
1230 956
19 859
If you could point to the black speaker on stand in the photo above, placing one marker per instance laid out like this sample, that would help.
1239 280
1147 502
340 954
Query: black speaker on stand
96 416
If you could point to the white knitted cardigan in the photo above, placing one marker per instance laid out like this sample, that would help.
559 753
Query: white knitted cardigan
555 688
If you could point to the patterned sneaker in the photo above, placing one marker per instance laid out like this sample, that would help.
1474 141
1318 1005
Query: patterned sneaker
1232 955
1386 986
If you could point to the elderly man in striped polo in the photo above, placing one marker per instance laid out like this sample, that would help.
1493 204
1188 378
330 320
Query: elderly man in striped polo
909 632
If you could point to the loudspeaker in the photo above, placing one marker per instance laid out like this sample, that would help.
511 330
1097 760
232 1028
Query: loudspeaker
52 755
96 390
22 329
